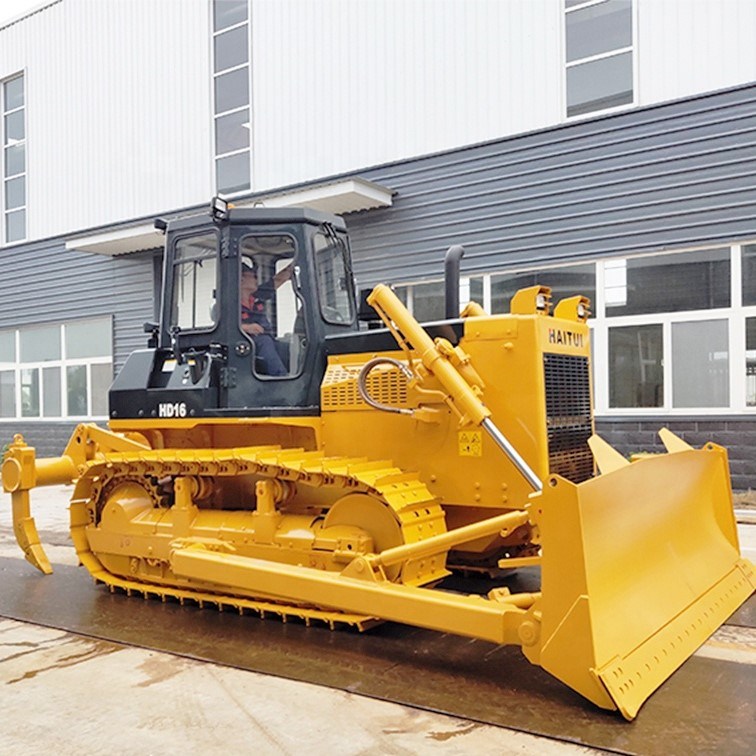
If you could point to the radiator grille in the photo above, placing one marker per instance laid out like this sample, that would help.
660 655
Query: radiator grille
568 416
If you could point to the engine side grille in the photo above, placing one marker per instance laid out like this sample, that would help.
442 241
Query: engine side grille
568 416
386 385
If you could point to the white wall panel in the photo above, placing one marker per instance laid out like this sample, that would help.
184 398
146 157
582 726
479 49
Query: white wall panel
117 106
691 46
340 84
119 120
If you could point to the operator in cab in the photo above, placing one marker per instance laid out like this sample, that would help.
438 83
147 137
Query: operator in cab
255 322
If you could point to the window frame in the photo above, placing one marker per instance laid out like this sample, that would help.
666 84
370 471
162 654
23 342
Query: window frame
214 75
600 323
61 364
632 49
5 180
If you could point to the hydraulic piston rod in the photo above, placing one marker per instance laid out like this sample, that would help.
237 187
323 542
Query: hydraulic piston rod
444 541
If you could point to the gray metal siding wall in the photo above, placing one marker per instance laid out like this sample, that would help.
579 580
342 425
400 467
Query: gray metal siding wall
667 176
43 283
133 302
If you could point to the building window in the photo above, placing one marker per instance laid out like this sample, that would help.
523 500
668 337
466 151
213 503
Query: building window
750 362
427 300
598 55
672 333
564 282
231 95
700 364
56 371
636 372
748 288
13 133
668 283
652 335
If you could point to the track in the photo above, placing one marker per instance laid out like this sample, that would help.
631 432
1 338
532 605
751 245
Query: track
706 707
416 510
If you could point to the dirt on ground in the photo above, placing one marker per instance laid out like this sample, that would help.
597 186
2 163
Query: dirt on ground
744 499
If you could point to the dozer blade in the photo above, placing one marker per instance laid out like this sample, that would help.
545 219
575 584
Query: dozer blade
640 565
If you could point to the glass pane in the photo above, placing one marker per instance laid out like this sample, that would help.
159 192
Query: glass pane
232 90
334 279
668 283
51 392
7 393
15 226
7 346
270 310
15 192
194 282
428 301
564 282
76 380
636 375
232 132
232 173
749 274
231 49
599 29
14 93
14 127
600 84
751 362
700 364
102 377
470 290
89 338
572 3
403 293
228 13
30 392
15 159
40 344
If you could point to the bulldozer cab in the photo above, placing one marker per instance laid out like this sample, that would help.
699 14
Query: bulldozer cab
248 298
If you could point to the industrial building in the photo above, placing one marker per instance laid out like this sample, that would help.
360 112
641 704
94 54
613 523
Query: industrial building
602 147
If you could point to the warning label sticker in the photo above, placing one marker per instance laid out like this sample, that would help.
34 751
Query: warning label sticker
470 443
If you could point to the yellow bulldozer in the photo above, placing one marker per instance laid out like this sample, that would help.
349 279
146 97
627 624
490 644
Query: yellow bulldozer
277 448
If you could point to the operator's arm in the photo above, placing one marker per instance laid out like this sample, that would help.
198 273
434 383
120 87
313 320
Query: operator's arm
283 275
253 329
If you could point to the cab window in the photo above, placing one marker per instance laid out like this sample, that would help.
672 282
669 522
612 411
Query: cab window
270 311
195 282
334 278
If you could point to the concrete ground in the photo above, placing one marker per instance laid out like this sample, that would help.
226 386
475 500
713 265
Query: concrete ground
70 694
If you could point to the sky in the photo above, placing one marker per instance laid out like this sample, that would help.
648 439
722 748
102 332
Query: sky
12 8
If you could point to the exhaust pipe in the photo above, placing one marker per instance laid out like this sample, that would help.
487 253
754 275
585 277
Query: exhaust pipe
451 279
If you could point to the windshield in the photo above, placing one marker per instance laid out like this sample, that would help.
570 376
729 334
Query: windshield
194 282
334 277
